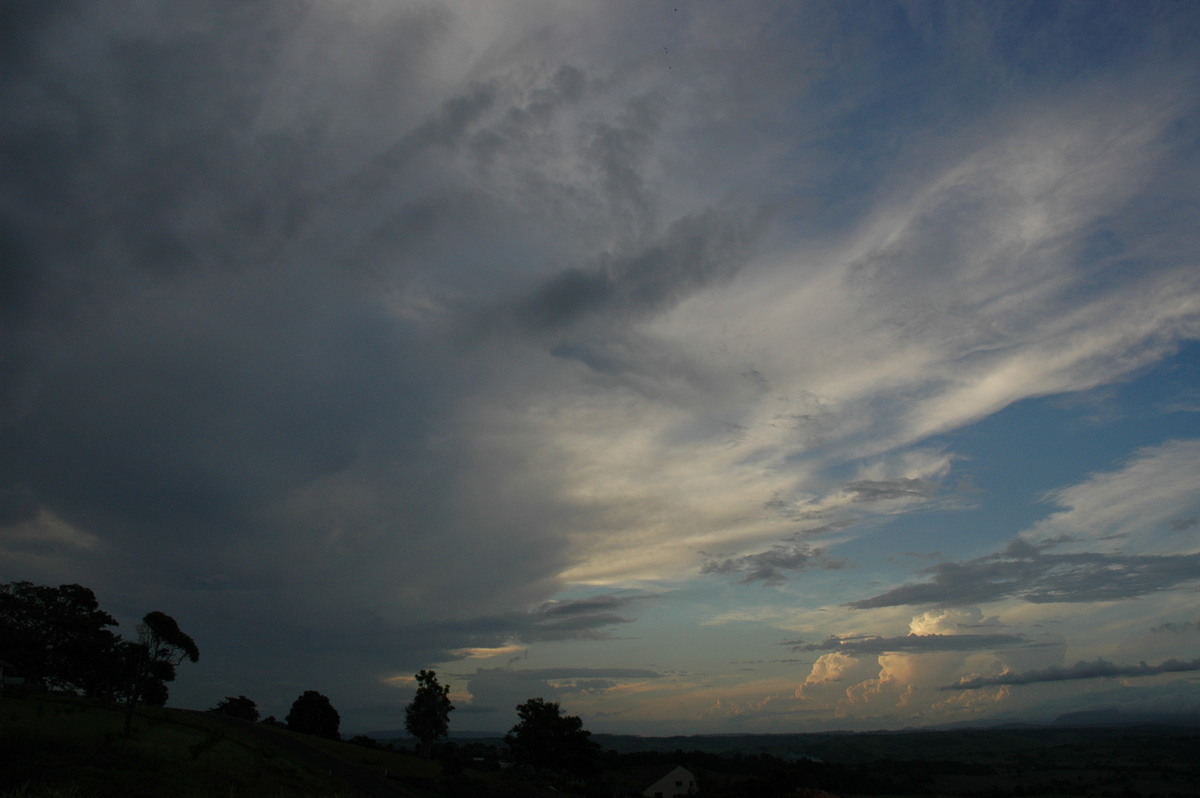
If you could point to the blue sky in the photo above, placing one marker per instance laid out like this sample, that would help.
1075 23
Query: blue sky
702 366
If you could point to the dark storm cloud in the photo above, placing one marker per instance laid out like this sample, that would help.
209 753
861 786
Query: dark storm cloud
581 619
22 23
188 349
17 504
591 618
206 233
1080 670
117 141
914 644
213 402
1031 573
768 566
202 363
445 130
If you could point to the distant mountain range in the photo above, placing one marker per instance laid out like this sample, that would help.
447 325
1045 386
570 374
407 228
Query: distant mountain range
1116 717
1091 718
401 734
1103 717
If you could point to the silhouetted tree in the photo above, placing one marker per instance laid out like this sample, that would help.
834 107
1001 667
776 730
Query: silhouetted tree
313 714
150 663
545 738
240 707
428 716
57 637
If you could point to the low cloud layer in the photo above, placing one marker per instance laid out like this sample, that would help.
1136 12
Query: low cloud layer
911 644
1080 670
1031 574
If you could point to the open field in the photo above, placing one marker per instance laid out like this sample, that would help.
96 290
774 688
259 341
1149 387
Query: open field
1046 762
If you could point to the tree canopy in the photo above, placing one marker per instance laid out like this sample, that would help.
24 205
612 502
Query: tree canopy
165 641
240 707
150 663
428 716
545 738
57 637
312 713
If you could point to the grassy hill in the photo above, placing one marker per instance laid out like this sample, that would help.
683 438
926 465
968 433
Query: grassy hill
65 747
54 746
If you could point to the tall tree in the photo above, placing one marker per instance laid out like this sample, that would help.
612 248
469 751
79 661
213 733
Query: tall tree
57 636
150 663
428 716
545 738
313 714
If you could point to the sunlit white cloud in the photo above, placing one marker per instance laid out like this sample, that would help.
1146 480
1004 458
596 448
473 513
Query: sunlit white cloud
948 621
1135 508
45 531
488 653
828 668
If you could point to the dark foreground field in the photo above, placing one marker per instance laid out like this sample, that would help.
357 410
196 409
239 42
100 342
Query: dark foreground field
58 747
1037 761
54 746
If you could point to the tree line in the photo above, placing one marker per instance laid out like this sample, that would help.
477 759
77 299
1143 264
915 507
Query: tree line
543 738
58 638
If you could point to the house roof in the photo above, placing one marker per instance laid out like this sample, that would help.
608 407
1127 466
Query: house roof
668 773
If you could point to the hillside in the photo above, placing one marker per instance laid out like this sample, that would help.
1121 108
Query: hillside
61 746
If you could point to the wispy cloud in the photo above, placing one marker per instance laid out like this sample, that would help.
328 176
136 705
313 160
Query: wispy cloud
593 618
1127 508
856 646
1178 628
1030 573
768 566
1088 551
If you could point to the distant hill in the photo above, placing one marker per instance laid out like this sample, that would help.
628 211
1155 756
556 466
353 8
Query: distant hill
402 735
1116 717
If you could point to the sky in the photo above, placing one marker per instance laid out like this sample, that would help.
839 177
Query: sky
703 366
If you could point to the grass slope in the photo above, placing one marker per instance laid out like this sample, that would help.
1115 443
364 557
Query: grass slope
62 746
55 746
